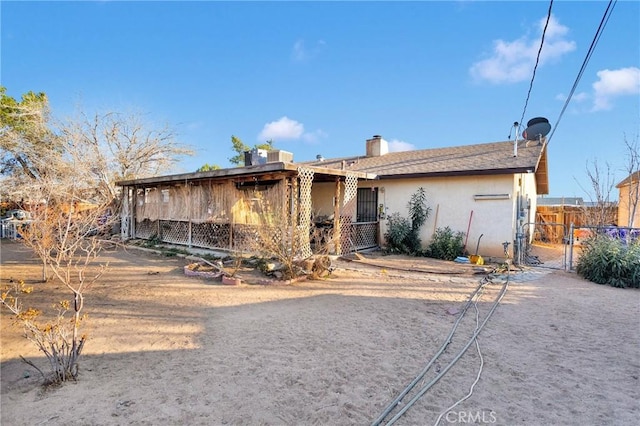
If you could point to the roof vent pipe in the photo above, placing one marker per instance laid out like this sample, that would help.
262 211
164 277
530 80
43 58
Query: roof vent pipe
516 126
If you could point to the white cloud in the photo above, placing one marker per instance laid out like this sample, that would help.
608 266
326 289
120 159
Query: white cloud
554 29
301 53
513 61
298 53
577 97
314 137
282 129
288 129
580 97
397 146
614 83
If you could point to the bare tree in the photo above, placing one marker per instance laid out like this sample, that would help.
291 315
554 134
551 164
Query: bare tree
632 169
65 213
59 340
120 146
602 211
65 176
124 147
277 235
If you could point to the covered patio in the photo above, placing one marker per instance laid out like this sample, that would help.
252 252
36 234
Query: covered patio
227 209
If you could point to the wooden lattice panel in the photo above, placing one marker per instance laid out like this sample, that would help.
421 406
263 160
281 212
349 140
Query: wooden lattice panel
306 181
125 214
146 229
347 212
172 231
210 235
350 193
245 237
364 235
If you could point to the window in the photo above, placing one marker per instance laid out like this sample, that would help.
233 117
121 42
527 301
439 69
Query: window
367 205
149 195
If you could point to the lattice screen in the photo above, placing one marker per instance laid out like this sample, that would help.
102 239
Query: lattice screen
347 212
222 215
211 235
146 228
173 231
306 181
125 215
364 235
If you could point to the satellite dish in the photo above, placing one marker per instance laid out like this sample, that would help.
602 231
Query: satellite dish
537 128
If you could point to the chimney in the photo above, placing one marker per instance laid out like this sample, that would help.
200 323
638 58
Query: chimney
377 146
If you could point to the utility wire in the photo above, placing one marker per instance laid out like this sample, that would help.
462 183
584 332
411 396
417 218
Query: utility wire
535 67
594 42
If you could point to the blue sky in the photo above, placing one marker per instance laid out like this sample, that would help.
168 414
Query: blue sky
322 77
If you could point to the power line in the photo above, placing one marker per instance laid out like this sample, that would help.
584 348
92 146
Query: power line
544 31
594 42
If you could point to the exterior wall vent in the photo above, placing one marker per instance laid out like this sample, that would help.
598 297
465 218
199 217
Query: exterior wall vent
478 197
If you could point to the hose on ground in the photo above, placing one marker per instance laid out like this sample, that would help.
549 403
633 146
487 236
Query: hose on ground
435 380
468 395
442 348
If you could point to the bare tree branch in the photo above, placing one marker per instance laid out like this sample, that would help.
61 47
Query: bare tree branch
602 211
633 186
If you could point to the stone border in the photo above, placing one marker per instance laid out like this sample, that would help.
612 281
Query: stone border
202 274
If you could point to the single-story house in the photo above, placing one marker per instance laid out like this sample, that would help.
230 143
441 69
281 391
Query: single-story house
629 194
487 189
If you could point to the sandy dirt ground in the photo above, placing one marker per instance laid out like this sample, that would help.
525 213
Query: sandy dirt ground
166 349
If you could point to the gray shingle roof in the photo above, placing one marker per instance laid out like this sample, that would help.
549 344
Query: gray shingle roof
487 158
479 159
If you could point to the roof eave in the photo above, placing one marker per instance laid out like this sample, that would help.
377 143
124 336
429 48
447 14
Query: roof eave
483 172
542 172
237 172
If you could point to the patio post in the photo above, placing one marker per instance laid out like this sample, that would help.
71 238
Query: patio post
336 219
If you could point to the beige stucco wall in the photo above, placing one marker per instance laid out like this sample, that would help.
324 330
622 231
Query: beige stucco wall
452 199
322 194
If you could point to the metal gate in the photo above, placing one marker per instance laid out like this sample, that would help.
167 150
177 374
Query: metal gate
547 247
